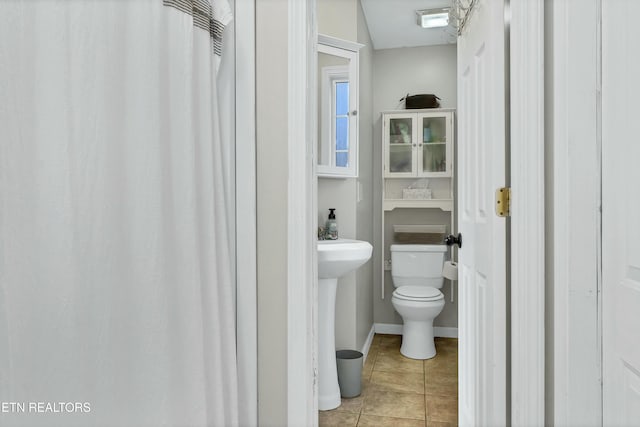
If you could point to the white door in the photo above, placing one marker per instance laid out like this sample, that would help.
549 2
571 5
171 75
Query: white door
481 170
621 212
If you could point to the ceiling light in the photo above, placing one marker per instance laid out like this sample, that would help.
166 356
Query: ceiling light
433 18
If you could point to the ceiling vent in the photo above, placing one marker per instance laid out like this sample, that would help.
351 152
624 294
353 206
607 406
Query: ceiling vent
433 18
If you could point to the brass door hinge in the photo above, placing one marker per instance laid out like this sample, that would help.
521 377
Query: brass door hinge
503 201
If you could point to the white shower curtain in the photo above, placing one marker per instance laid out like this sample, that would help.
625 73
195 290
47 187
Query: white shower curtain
116 304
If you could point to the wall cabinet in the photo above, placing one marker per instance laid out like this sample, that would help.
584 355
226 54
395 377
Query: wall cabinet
337 107
418 144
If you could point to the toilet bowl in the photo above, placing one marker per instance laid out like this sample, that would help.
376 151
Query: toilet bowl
416 271
417 306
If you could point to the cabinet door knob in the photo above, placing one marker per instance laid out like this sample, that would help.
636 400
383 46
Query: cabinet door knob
354 113
414 144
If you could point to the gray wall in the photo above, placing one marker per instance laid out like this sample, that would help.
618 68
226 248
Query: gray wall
428 69
397 72
354 306
272 121
384 312
354 219
364 208
338 18
341 194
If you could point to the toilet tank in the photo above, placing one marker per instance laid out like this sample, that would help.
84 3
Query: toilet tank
417 265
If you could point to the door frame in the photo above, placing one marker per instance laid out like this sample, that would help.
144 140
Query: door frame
527 221
246 234
302 277
574 332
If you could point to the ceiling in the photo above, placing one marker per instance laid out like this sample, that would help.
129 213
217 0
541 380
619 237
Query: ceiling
392 23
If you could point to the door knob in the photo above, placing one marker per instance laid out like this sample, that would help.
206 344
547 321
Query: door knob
451 240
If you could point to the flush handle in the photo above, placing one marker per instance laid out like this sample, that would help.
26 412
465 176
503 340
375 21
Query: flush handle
451 240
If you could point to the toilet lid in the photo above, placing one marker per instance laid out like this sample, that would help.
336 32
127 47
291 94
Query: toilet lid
418 293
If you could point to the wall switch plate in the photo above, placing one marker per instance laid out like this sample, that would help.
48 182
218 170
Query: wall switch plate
387 265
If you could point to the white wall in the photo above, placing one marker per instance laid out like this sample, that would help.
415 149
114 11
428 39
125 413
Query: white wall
396 72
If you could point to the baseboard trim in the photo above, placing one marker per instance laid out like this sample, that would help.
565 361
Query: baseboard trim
388 328
367 344
392 329
445 332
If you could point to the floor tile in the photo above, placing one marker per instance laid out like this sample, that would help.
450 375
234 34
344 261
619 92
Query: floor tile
337 418
446 342
409 382
354 404
368 364
440 408
442 388
431 423
376 340
434 376
446 364
390 343
395 362
446 345
373 351
394 404
402 392
447 352
441 372
375 421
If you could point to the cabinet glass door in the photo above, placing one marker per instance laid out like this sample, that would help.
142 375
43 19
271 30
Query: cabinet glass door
433 144
400 145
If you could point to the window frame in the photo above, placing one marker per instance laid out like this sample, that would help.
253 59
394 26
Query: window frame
330 76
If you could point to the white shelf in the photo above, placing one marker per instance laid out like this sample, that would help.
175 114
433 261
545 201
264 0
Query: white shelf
444 204
412 158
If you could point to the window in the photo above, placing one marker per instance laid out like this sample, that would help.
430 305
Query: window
340 121
334 124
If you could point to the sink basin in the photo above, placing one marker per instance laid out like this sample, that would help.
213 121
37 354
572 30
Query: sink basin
335 259
338 257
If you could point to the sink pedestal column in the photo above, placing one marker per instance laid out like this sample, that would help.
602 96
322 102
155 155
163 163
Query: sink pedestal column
328 389
335 259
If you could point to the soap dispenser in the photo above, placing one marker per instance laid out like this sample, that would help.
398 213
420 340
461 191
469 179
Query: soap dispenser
331 226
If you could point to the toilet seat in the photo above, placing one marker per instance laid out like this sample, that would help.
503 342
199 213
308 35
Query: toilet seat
418 293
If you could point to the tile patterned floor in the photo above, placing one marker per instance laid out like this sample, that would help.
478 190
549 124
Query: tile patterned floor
402 392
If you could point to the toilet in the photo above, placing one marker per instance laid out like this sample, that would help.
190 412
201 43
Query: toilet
416 271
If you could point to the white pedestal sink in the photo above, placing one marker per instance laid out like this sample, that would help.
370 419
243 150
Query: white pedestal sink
335 259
